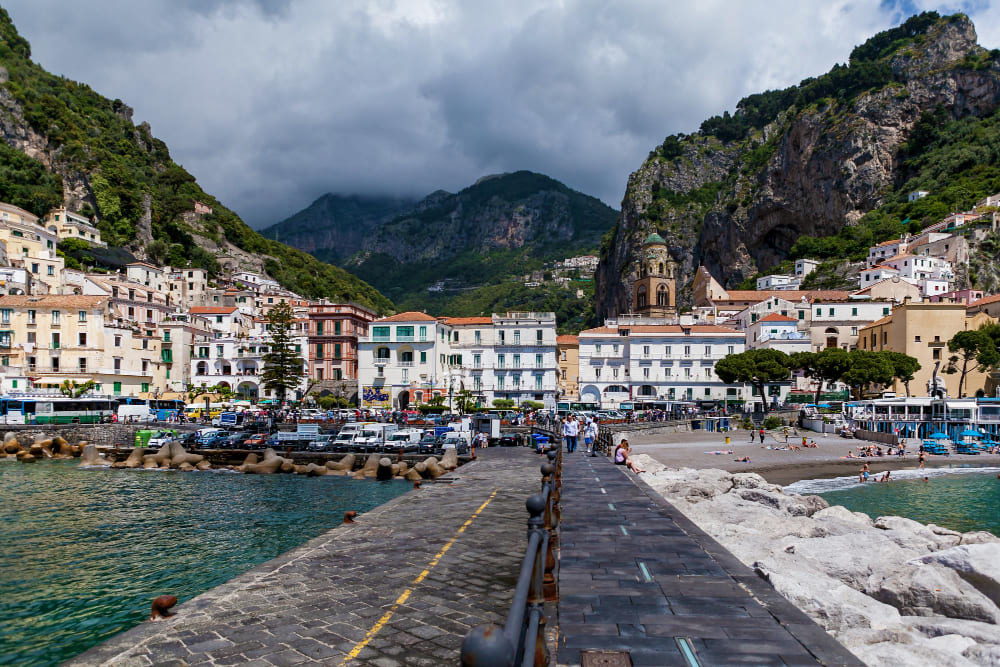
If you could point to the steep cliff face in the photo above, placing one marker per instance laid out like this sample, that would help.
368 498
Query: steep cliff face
828 153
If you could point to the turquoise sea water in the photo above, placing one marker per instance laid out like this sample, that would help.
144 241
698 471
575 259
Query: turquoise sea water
962 499
84 552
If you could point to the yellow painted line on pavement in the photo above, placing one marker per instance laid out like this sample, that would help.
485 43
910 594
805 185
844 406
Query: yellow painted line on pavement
405 595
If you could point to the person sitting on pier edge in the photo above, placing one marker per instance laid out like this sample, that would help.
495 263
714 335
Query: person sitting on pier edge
623 458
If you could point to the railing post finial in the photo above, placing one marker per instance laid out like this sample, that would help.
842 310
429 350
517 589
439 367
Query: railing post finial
487 646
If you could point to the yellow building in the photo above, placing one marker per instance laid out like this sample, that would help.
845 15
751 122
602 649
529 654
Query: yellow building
922 330
66 224
568 358
46 340
30 246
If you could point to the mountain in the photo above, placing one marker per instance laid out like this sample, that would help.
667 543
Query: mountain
460 253
65 143
334 227
821 169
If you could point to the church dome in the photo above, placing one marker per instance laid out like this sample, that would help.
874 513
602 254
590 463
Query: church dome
654 239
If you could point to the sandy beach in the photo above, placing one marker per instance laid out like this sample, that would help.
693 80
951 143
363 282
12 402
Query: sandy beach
780 466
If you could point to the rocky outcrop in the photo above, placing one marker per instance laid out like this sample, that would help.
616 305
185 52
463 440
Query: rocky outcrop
737 207
892 590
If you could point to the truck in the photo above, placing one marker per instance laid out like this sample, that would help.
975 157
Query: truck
297 439
229 420
345 438
373 436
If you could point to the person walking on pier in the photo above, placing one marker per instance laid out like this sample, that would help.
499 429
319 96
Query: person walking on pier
590 436
571 429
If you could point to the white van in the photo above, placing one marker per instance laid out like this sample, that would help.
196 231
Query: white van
404 440
373 436
347 435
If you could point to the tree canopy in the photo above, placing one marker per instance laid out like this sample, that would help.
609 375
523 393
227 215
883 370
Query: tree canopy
754 367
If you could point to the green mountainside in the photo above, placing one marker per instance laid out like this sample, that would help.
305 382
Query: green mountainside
63 142
822 169
334 227
465 253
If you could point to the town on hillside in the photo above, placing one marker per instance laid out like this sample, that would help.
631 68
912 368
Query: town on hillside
171 333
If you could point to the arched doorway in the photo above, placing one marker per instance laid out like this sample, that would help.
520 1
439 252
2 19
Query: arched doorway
403 400
831 337
247 390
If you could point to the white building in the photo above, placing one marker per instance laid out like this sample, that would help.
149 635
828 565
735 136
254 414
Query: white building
778 282
626 363
778 332
886 249
916 194
405 359
803 267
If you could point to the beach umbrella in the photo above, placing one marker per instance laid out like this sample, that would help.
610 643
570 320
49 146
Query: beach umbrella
938 436
969 433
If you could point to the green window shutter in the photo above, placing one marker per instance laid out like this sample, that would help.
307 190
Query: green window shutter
145 386
336 350
118 387
319 350
319 327
423 357
336 328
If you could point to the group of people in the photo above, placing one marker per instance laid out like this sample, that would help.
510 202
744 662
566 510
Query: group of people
866 474
573 428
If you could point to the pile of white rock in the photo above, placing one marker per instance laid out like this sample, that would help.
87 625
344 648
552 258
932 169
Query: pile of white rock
893 591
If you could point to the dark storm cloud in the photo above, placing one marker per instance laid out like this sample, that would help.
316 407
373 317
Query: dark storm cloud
270 104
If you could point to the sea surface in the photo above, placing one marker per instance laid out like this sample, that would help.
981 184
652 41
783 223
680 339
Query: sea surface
84 552
962 498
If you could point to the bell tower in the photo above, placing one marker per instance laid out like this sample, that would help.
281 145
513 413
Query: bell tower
654 293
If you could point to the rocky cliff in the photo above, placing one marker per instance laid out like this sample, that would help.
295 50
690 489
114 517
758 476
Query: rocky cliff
807 160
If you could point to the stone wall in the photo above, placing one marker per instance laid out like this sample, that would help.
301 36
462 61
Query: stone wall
98 434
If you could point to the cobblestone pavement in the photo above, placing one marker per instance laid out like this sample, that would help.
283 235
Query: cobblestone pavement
634 574
318 602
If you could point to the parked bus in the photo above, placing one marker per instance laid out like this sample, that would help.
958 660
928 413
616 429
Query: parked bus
44 410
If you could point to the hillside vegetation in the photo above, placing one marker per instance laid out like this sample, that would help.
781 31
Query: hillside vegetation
86 151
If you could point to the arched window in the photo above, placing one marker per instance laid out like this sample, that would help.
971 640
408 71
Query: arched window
406 356
382 353
662 296
661 268
640 297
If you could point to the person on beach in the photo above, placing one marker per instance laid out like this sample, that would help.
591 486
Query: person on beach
623 458
761 435
865 472
921 458
752 432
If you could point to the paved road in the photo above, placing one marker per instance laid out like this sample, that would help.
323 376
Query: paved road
635 574
400 587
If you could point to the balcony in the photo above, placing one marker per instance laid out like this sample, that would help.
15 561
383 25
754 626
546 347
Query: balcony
405 364
381 361
381 339
404 339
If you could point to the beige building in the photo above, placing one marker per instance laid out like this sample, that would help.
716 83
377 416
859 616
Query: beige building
66 224
922 330
989 305
189 287
891 289
30 246
46 340
568 358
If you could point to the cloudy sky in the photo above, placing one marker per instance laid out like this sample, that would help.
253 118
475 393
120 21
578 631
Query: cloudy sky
271 103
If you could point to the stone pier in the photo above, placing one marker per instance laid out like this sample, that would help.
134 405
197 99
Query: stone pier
401 586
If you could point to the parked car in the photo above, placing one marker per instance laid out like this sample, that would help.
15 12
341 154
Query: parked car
322 443
217 440
255 441
510 440
159 438
428 444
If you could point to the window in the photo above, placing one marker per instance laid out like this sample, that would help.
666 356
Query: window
51 270
82 365
854 311
319 350
538 361
167 356
885 311
219 350
854 331
500 361
34 267
55 318
731 349
645 372
405 376
802 314
597 349
336 350
131 312
538 336
423 333
831 312
669 348
916 339
423 357
404 333
83 340
166 336
708 350
538 380
819 312
597 373
380 332
117 388
517 337
687 350
936 353
145 343
477 337
5 315
614 373
31 316
319 327
118 341
337 327
55 341
55 364
118 364
500 381
31 337
517 361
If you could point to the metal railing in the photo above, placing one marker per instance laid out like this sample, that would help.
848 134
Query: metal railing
521 640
